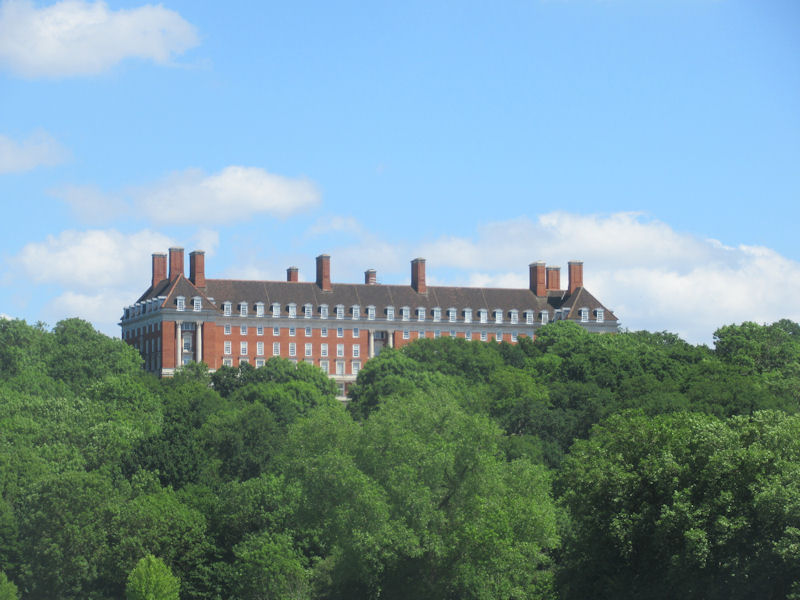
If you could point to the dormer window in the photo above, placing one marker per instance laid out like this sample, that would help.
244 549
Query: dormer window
420 313
467 315
483 315
371 313
452 314
259 309
356 311
180 302
498 315
340 311
544 317
276 310
437 314
390 313
196 304
599 315
514 316
405 313
529 317
307 311
584 315
226 308
323 311
292 310
243 309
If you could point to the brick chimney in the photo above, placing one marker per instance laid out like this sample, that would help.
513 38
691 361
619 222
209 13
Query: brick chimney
553 278
418 276
538 278
159 268
175 263
575 275
324 272
293 274
371 277
197 268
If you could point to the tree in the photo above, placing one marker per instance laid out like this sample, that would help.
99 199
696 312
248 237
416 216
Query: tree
8 591
151 579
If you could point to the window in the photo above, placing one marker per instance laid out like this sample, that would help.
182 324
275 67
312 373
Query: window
584 315
452 333
452 314
484 336
292 331
243 330
514 316
340 311
356 311
260 330
276 310
323 332
468 335
437 314
292 349
259 309
275 331
307 350
308 331
483 315
325 366
437 333
467 315
421 333
339 332
371 313
227 328
226 307
420 313
259 362
181 302
498 315
355 332
323 350
406 334
292 310
498 337
514 336
323 311
356 350
227 347
355 367
243 348
227 362
339 349
197 305
276 348
260 348
529 317
543 317
244 361
599 315
307 311
405 313
390 313
340 367
243 309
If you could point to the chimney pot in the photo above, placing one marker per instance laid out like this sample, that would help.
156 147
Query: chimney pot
293 274
175 263
370 277
324 272
197 268
418 276
538 278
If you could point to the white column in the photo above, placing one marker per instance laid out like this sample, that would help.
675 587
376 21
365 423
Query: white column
199 336
371 337
391 338
178 345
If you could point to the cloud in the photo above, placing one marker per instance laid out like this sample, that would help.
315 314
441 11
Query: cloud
74 37
39 149
91 205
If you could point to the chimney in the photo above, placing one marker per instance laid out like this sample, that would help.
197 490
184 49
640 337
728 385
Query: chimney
324 272
159 268
175 263
370 277
575 275
418 276
553 278
293 274
197 268
538 278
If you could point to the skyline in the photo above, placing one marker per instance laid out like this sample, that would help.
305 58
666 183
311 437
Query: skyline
657 141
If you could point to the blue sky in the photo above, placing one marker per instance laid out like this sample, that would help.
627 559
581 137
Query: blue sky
656 140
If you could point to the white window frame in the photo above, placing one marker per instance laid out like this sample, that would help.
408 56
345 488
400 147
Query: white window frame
355 332
292 310
276 348
529 317
276 310
406 334
370 313
356 311
323 332
323 311
390 313
227 347
227 309
498 315
259 362
599 315
467 315
307 311
339 350
340 332
340 367
356 350
420 313
292 331
180 303
355 367
242 348
227 362
584 312
325 365
437 314
259 348
308 332
544 317
260 330
276 331
242 329
308 350
514 316
452 314
483 315
323 350
227 328
468 334
340 311
484 336
259 309
243 309
292 349
405 313
197 304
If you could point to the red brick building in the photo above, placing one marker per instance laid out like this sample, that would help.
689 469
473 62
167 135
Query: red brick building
335 326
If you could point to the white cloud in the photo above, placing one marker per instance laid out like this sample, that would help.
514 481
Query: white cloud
38 149
74 37
91 205
234 194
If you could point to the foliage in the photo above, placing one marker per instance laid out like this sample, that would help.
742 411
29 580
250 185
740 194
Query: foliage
151 579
